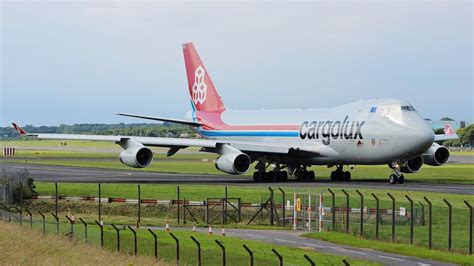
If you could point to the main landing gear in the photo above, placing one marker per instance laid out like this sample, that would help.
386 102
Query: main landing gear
275 175
397 177
302 174
271 176
340 175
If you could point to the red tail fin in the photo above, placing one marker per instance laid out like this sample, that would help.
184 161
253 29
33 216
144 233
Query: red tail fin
20 130
201 89
448 130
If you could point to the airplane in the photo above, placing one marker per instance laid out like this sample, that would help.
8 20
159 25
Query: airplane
286 143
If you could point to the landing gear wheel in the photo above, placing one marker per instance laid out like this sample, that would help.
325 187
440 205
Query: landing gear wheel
257 176
311 175
283 176
347 176
393 179
401 179
334 176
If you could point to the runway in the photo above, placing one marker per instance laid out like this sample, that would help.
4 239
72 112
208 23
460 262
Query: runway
47 173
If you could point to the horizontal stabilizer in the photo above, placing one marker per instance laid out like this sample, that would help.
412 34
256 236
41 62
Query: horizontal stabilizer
163 119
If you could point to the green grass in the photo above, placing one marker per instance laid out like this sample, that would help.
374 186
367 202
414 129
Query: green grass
462 153
211 252
398 248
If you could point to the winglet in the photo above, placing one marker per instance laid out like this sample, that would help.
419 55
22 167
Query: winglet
20 130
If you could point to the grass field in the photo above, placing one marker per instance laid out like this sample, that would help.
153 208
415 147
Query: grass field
211 252
22 246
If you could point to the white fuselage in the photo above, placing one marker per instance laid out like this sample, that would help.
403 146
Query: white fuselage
365 132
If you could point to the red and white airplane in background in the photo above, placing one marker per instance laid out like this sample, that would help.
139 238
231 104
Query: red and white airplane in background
371 132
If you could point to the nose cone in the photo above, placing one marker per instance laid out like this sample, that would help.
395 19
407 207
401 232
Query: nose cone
422 137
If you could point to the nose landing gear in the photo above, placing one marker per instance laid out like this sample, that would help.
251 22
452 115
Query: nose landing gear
397 177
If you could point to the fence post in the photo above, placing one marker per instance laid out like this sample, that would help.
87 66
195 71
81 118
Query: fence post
393 216
156 242
377 215
71 222
250 254
361 212
20 212
411 218
430 222
333 209
177 247
422 213
347 210
470 226
177 188
280 258
346 263
225 206
31 217
450 220
223 251
118 236
85 228
101 226
272 206
135 246
198 249
100 202
139 205
283 205
44 222
57 223
311 262
56 198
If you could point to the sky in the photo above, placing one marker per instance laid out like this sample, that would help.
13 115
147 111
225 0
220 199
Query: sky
65 62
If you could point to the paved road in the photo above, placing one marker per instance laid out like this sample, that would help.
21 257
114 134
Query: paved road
49 173
293 239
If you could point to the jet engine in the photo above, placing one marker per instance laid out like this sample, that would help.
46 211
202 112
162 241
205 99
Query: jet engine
412 166
233 163
136 156
436 155
232 160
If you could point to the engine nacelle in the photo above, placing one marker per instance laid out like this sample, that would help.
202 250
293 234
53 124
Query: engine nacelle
234 163
412 166
436 155
137 157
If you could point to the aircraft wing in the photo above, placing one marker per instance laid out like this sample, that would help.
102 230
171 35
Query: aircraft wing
443 137
164 119
178 143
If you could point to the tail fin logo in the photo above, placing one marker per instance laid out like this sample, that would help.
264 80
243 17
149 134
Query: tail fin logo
199 87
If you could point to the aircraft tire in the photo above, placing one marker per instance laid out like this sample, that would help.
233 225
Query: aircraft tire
257 176
401 179
311 175
347 176
393 179
333 176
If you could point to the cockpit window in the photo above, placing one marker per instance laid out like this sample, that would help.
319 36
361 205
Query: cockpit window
408 108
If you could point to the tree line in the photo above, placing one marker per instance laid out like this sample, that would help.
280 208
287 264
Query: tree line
139 129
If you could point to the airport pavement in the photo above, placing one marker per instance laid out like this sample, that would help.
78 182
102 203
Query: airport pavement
47 173
293 239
